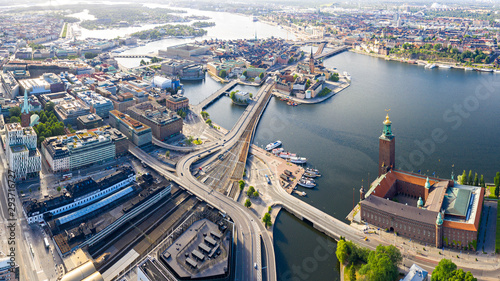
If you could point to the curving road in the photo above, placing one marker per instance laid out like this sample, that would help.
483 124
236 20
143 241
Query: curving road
250 230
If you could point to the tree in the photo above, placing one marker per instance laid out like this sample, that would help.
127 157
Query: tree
261 75
250 95
470 180
382 263
167 153
269 209
242 184
334 77
58 189
476 180
209 122
248 204
250 191
447 270
245 73
463 179
255 194
343 251
205 114
15 111
497 184
481 181
15 119
443 270
223 73
50 106
352 273
267 219
90 55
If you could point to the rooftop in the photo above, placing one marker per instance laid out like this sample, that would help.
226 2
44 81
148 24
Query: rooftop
129 121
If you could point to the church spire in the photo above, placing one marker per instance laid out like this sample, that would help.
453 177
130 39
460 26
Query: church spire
25 108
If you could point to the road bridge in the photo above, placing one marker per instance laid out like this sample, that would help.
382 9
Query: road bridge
320 49
138 56
209 100
333 52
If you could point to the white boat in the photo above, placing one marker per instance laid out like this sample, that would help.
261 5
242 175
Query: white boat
347 76
273 145
430 66
278 150
468 68
497 71
287 155
309 175
485 69
298 160
306 183
312 171
444 66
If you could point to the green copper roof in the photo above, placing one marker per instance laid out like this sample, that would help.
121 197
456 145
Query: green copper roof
420 202
439 220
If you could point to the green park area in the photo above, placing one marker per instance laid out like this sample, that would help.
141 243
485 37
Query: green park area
382 264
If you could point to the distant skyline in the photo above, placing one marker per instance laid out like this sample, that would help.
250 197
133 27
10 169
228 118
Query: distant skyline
311 3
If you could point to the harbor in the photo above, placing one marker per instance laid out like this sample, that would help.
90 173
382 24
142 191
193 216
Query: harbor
278 166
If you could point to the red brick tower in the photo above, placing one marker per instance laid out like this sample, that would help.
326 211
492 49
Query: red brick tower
387 149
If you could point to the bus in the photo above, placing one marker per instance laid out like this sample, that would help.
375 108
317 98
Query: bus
67 176
268 179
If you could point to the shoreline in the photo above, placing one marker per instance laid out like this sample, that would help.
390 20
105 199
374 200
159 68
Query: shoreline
342 84
422 62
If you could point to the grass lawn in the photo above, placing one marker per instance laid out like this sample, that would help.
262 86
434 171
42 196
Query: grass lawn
497 237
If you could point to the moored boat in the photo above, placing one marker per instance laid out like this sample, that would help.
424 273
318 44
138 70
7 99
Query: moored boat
444 66
298 160
273 145
287 155
278 150
309 175
312 171
306 183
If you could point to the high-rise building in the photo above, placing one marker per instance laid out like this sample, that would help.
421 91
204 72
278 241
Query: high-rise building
22 154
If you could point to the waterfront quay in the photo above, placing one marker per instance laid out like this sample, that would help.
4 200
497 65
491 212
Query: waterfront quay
277 166
335 87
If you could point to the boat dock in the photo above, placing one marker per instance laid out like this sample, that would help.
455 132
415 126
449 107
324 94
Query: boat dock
278 166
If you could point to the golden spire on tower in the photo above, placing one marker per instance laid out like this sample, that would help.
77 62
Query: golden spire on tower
387 121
